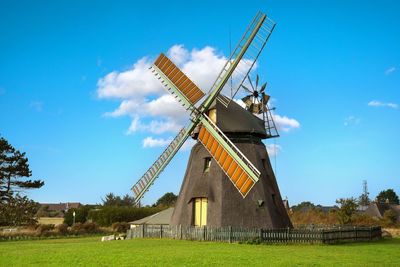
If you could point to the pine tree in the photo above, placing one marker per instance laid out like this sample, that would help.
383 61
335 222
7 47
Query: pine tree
14 171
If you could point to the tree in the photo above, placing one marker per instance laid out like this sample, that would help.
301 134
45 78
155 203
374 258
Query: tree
167 200
43 211
304 204
18 210
348 206
111 200
81 214
14 171
388 194
364 200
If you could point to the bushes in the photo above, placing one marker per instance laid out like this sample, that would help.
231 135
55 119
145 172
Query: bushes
81 214
84 228
62 229
313 217
390 217
106 216
120 226
44 229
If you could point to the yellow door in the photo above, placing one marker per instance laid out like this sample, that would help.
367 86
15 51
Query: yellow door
200 211
197 212
203 211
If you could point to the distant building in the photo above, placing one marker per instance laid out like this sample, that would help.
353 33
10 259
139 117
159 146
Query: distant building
61 207
377 209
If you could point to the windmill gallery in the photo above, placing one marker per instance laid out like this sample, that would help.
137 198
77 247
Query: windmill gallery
229 180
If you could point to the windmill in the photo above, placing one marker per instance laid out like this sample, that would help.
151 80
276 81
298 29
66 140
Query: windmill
222 156
257 103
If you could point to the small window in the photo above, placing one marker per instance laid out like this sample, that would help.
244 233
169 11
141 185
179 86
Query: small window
207 164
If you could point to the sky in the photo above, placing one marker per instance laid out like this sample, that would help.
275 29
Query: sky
77 97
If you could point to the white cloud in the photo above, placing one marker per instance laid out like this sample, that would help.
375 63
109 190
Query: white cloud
152 108
273 149
178 54
135 126
143 98
388 71
351 120
156 142
131 84
285 124
375 103
38 105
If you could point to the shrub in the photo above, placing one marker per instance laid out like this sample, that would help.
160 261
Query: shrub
106 216
81 214
120 226
84 228
90 228
313 217
32 226
44 229
77 228
348 207
364 220
389 216
252 241
62 229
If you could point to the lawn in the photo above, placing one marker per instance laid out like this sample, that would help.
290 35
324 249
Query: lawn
164 252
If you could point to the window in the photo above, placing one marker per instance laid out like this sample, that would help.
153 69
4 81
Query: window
200 211
207 164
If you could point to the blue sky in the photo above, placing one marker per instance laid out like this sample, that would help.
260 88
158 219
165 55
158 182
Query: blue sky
74 96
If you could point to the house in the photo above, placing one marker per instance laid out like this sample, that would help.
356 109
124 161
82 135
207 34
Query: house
61 207
160 218
378 209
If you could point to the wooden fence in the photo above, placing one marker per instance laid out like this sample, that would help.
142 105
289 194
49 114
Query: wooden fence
229 234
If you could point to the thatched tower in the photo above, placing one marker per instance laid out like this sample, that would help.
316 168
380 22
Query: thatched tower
208 197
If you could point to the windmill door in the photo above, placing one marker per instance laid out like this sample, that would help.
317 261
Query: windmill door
200 211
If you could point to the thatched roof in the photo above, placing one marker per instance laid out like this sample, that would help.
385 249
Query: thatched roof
377 209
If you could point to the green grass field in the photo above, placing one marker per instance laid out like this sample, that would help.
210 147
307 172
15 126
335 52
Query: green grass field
164 252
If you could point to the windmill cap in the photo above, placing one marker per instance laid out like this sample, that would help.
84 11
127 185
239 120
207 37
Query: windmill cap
236 120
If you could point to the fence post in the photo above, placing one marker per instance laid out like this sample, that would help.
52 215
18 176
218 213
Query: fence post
160 231
142 230
230 234
180 231
355 232
288 235
261 235
370 233
323 236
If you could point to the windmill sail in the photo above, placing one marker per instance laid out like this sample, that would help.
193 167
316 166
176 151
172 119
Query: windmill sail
235 165
174 79
243 58
154 171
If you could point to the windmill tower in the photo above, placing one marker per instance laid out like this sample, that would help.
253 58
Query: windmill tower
229 180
